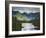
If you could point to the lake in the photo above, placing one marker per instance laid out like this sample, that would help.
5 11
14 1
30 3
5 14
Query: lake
28 27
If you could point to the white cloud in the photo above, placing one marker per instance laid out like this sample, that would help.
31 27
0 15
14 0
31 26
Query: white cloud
26 9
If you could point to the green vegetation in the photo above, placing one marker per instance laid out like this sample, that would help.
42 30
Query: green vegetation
36 23
16 25
18 19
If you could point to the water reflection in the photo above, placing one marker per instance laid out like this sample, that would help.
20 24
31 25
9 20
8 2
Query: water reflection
28 27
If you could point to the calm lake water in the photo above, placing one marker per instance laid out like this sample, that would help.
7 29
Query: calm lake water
28 26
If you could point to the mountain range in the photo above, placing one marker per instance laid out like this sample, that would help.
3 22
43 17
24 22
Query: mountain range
29 16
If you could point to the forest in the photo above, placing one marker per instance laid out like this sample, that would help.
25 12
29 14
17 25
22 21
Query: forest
19 18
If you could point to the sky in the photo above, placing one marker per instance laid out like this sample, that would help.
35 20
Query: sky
26 9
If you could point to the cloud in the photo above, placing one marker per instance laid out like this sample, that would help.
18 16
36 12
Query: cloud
26 9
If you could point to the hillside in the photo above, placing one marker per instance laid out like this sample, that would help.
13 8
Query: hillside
19 18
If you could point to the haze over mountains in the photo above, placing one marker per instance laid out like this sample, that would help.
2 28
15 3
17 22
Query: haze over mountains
29 16
26 9
19 18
